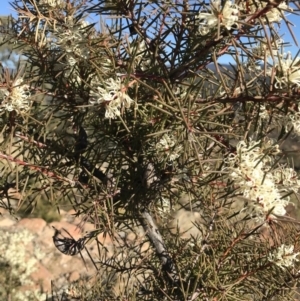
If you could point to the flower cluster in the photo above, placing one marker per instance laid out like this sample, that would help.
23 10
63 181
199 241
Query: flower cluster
274 15
51 3
72 39
257 180
292 121
263 113
17 98
284 256
180 91
230 14
164 207
112 94
166 146
262 49
142 58
227 16
287 71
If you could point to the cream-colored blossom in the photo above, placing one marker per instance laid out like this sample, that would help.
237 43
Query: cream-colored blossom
51 3
292 121
263 113
262 48
72 39
17 99
287 177
180 91
209 20
167 147
164 207
284 256
142 57
255 177
112 94
287 71
273 15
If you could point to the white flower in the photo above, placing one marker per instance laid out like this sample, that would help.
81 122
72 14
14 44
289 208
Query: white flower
292 120
294 76
180 91
257 180
273 15
263 113
52 3
262 48
209 20
164 207
166 146
72 38
284 256
112 95
288 71
142 57
83 23
17 99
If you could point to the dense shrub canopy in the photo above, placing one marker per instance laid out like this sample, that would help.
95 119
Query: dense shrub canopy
134 120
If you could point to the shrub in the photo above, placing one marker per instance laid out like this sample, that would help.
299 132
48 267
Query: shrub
136 118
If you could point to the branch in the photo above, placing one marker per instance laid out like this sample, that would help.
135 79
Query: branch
41 169
30 140
157 240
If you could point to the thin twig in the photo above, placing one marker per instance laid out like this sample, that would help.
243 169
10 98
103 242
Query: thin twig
41 169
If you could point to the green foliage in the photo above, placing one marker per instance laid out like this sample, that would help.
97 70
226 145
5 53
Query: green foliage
42 209
127 120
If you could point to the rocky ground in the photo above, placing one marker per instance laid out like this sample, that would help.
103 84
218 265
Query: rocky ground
32 238
53 271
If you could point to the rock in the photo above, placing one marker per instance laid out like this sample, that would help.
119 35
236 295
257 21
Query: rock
35 225
43 277
7 223
74 276
73 230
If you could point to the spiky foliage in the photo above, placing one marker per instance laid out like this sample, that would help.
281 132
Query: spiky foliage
134 118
